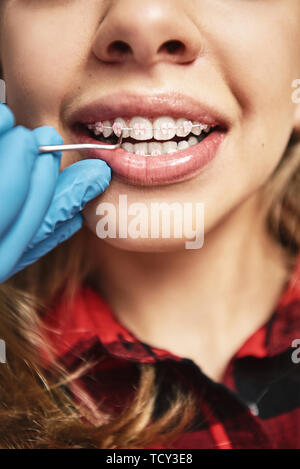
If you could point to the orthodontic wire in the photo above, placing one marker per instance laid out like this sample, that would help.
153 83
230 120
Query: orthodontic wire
131 128
43 149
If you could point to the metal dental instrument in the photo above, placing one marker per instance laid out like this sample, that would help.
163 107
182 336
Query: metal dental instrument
80 146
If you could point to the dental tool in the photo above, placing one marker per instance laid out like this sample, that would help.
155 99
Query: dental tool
79 146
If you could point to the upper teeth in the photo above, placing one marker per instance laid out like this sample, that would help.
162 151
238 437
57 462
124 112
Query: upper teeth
140 128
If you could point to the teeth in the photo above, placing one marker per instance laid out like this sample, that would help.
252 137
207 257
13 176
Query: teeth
164 128
169 147
198 129
121 124
140 148
107 131
183 145
128 147
98 128
155 148
184 127
192 141
142 128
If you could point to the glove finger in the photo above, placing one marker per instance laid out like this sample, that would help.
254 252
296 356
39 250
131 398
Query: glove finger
41 191
77 184
46 135
7 119
64 232
18 152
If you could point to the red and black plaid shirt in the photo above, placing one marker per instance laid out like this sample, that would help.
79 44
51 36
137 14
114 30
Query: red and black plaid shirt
257 404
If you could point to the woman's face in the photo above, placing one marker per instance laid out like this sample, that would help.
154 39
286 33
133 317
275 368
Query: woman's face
228 63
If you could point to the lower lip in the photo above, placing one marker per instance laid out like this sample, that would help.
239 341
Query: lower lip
158 170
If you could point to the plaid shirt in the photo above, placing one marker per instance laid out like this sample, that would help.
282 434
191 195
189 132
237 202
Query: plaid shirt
257 404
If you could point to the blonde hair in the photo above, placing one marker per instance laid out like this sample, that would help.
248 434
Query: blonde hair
37 412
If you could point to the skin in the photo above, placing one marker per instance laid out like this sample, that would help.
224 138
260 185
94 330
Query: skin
241 57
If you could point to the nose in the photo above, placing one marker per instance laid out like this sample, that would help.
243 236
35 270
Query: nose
146 32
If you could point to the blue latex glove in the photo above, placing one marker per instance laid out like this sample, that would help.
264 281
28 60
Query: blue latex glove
39 205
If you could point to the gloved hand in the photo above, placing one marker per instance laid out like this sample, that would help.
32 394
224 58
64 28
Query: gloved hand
39 205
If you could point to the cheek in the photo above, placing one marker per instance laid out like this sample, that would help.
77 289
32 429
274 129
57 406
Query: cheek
39 62
260 58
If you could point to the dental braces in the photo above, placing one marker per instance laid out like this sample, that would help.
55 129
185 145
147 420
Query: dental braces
45 149
141 129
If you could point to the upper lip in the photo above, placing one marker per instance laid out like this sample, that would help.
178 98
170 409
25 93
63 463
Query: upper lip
122 104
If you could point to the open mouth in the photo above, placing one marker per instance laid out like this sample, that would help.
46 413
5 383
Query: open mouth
148 137
166 137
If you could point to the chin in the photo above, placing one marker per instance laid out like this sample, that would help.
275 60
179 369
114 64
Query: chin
135 244
145 245
142 230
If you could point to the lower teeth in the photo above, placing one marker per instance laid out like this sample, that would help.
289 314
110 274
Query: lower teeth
161 148
156 148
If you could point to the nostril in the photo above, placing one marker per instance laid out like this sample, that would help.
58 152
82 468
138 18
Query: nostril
119 48
173 47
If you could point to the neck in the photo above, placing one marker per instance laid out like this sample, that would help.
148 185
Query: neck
196 302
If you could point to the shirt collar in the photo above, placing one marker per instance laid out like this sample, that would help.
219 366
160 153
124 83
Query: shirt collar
88 319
